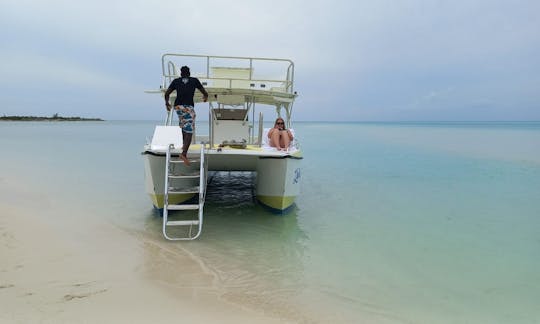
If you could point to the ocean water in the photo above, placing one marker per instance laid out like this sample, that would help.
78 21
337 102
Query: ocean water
396 222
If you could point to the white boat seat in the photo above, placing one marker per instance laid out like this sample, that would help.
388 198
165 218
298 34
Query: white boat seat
166 135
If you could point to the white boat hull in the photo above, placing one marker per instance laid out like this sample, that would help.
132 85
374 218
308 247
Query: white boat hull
278 174
154 174
278 181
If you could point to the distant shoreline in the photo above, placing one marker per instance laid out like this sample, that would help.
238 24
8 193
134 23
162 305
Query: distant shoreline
55 117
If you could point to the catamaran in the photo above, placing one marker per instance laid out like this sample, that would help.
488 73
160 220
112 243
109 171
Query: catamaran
240 90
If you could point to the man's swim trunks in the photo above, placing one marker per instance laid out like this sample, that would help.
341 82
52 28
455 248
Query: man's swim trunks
186 115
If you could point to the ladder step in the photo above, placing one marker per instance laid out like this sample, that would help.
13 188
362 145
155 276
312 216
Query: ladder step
173 190
183 207
182 223
181 161
187 176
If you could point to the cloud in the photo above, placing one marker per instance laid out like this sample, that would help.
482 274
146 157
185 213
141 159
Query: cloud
433 99
383 56
29 69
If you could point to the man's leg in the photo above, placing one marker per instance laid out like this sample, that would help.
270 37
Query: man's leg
186 122
186 138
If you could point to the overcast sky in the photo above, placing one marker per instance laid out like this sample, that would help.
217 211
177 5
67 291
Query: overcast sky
355 60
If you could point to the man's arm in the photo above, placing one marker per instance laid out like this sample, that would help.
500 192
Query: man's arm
167 94
202 90
205 94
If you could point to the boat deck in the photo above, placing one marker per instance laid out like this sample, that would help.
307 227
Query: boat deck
231 159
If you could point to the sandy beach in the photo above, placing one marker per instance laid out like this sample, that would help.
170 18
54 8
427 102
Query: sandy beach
73 271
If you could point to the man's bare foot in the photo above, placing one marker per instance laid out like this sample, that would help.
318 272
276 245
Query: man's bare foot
185 159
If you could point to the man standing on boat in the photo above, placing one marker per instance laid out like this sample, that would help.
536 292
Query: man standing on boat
185 87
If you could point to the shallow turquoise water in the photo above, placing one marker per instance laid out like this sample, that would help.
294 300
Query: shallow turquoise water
396 222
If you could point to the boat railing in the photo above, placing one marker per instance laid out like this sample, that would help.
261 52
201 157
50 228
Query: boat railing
211 128
169 117
261 128
215 72
171 72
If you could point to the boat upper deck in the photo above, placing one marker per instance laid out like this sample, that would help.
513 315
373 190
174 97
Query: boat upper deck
235 80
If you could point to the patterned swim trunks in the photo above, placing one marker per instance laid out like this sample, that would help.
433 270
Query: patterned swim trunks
186 115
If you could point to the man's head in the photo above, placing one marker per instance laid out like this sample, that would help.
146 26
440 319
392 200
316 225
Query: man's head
184 71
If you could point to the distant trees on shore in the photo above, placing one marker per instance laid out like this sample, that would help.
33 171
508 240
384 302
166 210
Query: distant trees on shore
54 117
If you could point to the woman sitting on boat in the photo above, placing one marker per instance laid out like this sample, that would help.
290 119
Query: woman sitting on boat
279 136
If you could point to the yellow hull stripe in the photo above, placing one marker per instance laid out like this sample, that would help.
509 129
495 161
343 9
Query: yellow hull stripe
158 202
277 202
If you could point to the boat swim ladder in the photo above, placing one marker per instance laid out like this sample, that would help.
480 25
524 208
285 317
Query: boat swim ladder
199 190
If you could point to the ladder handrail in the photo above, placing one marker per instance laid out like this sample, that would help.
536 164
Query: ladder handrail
203 170
169 119
202 190
166 191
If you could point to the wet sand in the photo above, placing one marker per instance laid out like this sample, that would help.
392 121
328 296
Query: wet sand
59 268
